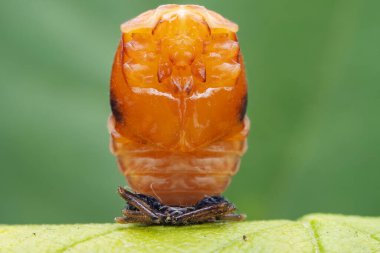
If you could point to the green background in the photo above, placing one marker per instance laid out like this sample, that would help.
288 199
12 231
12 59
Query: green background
314 86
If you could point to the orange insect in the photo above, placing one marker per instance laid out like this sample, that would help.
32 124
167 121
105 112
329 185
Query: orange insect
178 125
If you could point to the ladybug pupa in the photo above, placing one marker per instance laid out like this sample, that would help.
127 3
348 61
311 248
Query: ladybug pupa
178 125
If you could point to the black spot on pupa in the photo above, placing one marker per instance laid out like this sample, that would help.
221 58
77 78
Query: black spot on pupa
115 107
243 107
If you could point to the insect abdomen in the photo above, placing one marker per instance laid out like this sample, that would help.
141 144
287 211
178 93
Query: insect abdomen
180 178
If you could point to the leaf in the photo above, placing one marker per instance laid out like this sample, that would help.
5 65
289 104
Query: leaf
315 233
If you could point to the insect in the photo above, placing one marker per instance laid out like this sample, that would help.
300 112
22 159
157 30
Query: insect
178 126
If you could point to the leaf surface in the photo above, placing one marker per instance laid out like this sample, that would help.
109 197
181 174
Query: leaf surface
315 233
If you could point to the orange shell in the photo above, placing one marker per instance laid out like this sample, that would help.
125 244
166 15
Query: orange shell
178 98
151 18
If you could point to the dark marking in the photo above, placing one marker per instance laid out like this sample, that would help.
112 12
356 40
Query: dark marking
209 200
243 107
155 27
244 237
115 107
148 210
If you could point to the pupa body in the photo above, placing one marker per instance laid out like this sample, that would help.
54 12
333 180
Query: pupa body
178 96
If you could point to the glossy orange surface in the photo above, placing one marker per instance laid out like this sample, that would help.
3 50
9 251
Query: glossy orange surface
178 98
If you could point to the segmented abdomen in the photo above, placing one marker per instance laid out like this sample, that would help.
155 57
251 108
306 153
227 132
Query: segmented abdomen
180 178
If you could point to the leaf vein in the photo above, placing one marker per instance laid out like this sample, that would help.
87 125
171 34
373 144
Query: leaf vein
313 234
87 239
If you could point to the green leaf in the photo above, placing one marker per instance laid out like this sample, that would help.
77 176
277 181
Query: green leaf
315 233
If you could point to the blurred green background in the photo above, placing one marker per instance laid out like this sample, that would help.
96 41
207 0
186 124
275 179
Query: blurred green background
314 77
